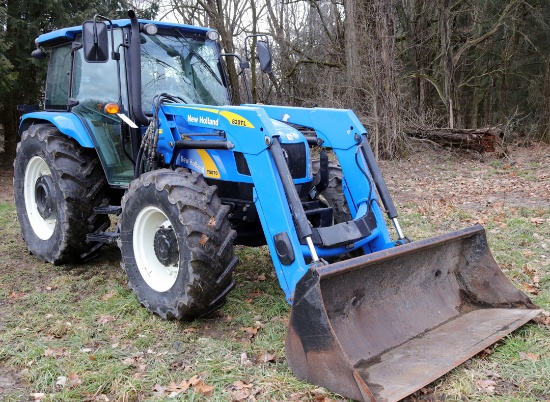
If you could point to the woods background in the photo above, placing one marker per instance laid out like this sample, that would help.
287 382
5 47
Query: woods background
402 65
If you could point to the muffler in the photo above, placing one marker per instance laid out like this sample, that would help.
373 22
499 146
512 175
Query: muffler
381 326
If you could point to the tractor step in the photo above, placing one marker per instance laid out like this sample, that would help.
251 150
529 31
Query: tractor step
108 210
103 237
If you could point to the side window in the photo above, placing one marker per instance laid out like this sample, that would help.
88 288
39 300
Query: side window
57 84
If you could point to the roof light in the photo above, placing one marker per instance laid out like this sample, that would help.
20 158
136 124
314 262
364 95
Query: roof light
150 29
112 108
213 35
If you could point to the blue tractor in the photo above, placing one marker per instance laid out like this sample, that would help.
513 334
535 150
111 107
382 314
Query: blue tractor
138 123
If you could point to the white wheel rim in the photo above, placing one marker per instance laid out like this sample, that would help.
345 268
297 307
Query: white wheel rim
43 228
157 275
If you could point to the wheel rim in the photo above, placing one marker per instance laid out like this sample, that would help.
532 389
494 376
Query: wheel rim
37 168
157 275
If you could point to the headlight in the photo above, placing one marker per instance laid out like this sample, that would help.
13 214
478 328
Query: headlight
150 29
213 35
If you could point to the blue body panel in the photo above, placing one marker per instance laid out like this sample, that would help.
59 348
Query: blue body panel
66 122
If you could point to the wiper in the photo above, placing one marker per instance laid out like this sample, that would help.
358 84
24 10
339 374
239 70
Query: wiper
198 56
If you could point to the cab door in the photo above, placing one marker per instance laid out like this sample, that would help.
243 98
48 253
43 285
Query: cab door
95 84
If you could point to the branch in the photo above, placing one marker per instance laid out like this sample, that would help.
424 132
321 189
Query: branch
488 34
320 63
433 82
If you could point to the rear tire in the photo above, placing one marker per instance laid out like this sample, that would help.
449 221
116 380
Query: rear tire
333 195
177 244
57 184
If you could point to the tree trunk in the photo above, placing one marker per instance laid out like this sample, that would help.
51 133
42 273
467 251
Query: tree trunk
383 78
447 65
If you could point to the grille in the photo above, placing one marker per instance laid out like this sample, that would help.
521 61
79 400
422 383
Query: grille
295 155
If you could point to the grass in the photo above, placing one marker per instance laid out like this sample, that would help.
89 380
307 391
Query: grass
77 332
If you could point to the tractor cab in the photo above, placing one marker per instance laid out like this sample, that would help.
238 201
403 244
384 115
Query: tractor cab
92 69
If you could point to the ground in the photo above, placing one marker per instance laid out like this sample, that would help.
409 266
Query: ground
77 332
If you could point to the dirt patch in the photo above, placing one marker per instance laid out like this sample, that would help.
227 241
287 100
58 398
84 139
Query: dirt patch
6 185
468 180
11 384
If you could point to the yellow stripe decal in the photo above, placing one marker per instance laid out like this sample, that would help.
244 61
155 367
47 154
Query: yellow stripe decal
233 118
210 168
236 119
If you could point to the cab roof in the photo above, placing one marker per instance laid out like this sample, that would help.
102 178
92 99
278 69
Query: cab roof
68 34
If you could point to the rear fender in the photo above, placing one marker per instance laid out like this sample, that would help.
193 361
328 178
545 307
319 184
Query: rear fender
66 122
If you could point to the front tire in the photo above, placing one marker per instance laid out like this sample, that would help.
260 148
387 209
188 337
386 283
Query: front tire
57 184
177 244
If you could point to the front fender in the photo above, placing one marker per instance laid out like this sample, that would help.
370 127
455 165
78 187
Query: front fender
66 122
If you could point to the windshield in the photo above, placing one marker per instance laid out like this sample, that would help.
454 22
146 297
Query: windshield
184 67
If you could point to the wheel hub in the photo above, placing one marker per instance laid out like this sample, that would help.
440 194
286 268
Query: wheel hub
44 193
166 246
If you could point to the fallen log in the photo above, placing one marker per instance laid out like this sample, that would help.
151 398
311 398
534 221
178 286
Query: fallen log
480 139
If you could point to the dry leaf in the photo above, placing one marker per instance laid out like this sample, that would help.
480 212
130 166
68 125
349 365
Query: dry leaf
529 356
203 388
158 390
250 331
323 398
538 221
212 221
261 277
55 353
543 319
61 381
530 288
240 395
204 238
487 386
485 352
181 387
74 380
267 358
38 396
254 294
105 319
244 360
242 384
107 296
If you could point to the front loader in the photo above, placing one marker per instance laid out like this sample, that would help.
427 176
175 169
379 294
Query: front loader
138 124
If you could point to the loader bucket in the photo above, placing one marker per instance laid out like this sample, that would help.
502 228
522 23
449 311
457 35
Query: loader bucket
381 326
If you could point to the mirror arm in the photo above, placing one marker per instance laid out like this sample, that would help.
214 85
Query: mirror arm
244 65
263 36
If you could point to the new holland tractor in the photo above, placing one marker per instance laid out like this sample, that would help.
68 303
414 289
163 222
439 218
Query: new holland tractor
138 124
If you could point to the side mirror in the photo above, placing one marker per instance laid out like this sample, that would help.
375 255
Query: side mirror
95 42
264 55
39 54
